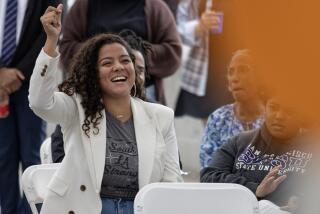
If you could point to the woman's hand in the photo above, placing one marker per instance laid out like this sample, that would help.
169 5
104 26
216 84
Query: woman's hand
51 22
270 183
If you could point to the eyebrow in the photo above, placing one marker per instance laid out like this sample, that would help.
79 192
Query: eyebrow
109 57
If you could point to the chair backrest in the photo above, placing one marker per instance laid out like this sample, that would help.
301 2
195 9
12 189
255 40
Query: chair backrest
34 183
195 198
45 151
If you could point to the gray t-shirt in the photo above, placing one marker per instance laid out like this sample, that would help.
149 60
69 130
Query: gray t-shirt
120 179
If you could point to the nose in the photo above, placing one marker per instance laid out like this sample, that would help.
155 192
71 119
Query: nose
280 115
234 78
117 66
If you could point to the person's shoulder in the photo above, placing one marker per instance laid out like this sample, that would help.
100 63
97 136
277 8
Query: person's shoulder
157 109
223 112
157 5
159 2
246 137
249 133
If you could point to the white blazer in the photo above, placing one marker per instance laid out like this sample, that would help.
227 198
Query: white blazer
75 187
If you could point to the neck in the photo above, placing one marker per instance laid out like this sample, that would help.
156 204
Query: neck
120 108
249 110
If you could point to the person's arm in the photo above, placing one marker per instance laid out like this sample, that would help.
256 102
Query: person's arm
221 167
187 22
171 168
211 140
193 27
74 32
166 49
172 4
55 107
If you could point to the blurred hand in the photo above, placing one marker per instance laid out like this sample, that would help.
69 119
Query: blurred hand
51 22
292 204
3 94
10 79
209 20
270 183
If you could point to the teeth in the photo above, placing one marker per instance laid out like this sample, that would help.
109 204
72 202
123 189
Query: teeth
120 78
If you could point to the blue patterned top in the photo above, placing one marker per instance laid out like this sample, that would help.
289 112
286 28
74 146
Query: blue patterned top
222 124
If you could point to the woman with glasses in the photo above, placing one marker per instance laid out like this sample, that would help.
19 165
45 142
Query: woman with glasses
244 114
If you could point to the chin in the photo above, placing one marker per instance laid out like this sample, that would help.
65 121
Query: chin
240 98
280 135
118 94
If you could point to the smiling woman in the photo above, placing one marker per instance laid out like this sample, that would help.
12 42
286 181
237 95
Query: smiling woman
115 143
116 70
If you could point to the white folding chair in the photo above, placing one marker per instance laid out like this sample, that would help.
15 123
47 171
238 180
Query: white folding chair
195 198
34 183
45 152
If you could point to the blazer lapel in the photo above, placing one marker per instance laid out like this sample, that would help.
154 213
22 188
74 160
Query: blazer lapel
145 131
94 148
98 146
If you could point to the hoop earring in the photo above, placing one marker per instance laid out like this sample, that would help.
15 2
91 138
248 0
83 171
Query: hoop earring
135 90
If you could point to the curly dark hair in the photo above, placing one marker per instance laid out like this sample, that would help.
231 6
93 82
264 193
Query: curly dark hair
84 79
137 43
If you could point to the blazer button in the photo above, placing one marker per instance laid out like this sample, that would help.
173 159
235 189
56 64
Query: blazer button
44 70
83 188
71 212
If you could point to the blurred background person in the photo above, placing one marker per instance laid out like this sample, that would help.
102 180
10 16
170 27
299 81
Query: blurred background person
141 49
21 131
151 20
246 113
209 29
270 161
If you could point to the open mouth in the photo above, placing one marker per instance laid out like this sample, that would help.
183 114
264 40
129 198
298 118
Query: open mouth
278 126
237 89
119 79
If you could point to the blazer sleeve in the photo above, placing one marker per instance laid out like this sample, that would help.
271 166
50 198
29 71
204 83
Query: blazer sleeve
55 107
74 32
166 52
171 168
221 167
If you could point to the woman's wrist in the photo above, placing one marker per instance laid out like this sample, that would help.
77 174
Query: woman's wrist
50 47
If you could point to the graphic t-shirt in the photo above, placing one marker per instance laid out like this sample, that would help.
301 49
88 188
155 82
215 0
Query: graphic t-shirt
249 157
120 179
